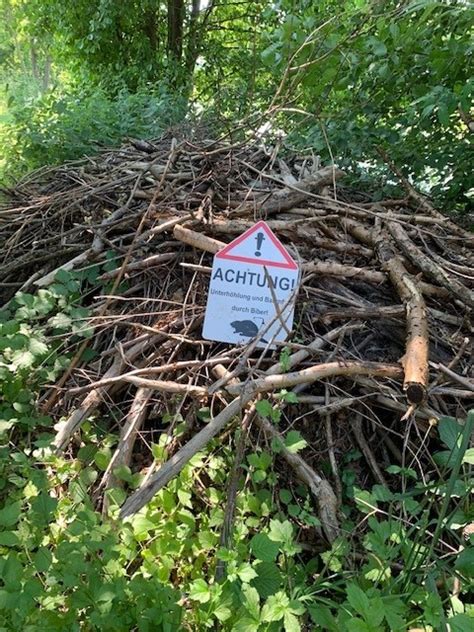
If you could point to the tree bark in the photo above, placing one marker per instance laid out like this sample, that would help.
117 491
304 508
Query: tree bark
415 360
175 29
151 29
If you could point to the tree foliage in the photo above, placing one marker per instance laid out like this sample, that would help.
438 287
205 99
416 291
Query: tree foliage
344 78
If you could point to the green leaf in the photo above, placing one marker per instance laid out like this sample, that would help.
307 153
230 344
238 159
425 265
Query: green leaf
38 347
294 442
322 616
23 359
268 579
222 612
246 573
9 538
10 514
63 276
469 456
285 496
42 559
364 500
465 562
358 599
246 624
449 431
281 531
357 625
275 607
60 321
102 458
291 623
123 473
199 591
443 114
43 505
288 396
5 425
251 601
263 548
461 623
264 408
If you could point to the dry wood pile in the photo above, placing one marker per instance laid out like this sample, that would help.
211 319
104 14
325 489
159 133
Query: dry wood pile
380 348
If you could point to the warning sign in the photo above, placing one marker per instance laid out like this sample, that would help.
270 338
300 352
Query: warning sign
252 280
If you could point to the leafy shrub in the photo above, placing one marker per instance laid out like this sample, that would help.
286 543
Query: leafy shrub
64 566
67 125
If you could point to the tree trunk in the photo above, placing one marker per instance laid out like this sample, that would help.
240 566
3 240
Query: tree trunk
193 34
175 29
34 62
46 73
151 30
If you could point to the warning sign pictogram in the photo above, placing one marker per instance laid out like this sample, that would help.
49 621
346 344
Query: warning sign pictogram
254 281
258 245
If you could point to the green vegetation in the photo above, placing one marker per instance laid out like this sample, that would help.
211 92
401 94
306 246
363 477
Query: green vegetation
63 566
349 80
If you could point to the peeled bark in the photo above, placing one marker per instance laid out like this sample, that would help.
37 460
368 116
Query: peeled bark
415 360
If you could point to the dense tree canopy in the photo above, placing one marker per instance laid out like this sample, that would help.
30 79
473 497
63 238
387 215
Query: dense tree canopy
348 79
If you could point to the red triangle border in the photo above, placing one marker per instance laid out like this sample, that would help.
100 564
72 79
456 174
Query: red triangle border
291 264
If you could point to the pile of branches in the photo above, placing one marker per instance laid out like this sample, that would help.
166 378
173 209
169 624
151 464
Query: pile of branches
379 352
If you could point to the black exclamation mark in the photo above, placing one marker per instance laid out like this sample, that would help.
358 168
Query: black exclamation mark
260 239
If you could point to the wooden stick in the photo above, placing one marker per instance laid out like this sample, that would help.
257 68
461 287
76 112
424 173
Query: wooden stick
331 268
128 435
149 370
429 267
291 195
171 468
319 487
415 360
312 374
167 386
65 429
358 433
149 262
197 240
455 377
318 343
364 274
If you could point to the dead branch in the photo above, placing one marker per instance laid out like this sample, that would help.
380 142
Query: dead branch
429 267
415 359
331 369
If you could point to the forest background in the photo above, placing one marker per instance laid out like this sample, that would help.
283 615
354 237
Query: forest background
346 79
367 85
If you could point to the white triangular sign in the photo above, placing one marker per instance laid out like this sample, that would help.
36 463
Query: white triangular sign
258 245
254 282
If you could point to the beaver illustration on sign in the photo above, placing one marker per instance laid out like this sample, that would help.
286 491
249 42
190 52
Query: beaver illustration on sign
246 328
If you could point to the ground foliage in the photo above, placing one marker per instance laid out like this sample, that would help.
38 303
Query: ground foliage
403 555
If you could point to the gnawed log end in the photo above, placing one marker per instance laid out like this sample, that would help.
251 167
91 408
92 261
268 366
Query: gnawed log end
415 392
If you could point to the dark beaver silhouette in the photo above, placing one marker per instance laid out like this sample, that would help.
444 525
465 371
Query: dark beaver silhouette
246 328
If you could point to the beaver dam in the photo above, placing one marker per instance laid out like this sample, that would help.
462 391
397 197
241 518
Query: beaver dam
379 351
